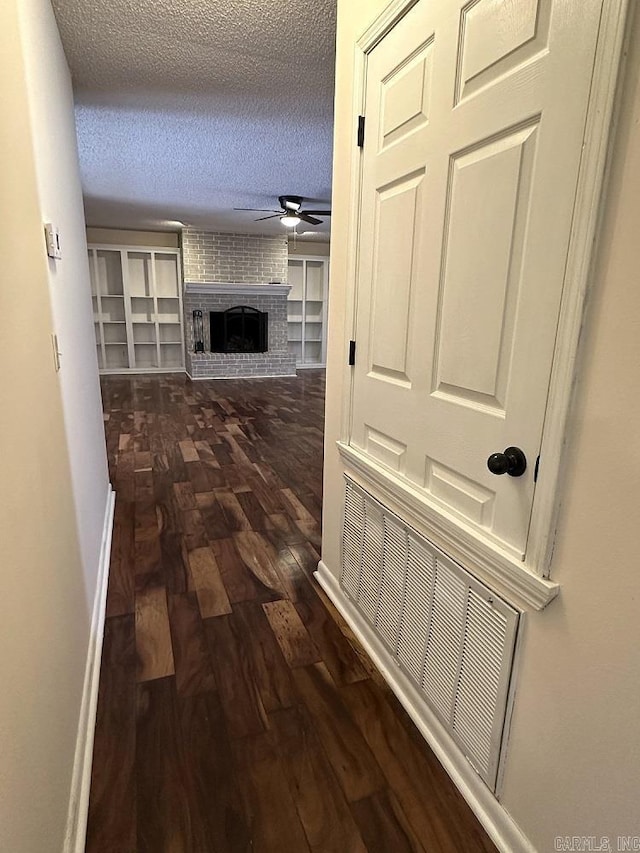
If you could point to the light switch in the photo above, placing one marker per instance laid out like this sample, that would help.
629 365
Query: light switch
52 236
56 352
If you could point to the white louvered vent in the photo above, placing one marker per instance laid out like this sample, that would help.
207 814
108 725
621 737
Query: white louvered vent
352 541
453 637
416 608
394 569
371 571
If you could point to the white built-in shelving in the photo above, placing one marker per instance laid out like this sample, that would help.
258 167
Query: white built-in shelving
307 309
137 308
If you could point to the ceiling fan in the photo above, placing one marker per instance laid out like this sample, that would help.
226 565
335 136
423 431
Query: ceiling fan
290 213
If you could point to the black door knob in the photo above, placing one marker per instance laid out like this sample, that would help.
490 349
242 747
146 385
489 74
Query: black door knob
512 462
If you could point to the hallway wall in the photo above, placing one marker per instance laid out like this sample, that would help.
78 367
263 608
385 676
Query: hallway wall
56 159
51 466
573 765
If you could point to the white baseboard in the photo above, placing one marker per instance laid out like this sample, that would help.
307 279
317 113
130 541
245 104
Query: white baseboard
498 823
75 836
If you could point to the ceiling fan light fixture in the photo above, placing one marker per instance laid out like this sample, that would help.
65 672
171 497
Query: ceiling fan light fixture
291 203
290 220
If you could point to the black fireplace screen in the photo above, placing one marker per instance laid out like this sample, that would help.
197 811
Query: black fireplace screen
239 329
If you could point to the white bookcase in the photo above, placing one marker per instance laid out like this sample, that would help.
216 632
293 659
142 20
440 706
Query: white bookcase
307 309
137 309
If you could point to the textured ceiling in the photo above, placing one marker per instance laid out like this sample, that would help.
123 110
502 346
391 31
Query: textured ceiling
186 109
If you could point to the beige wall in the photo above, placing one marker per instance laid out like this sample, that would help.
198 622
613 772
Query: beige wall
573 766
44 615
120 237
574 758
55 151
308 247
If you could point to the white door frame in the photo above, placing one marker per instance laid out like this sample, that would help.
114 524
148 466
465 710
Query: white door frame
527 584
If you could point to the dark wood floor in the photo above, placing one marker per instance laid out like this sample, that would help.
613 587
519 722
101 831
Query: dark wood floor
236 710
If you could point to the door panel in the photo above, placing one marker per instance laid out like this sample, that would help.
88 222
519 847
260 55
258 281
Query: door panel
475 119
495 37
484 236
406 95
397 232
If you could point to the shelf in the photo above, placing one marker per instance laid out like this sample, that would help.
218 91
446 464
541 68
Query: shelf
171 355
116 356
169 333
139 268
114 332
306 311
137 308
169 309
312 352
146 354
142 309
166 276
295 277
315 280
112 309
144 333
109 272
92 275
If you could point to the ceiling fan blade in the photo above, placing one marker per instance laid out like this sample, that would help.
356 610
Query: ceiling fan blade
306 218
319 212
273 216
257 209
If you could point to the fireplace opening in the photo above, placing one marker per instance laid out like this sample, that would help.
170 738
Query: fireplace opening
239 329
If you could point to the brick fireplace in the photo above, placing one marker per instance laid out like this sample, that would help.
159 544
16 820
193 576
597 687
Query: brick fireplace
224 271
217 296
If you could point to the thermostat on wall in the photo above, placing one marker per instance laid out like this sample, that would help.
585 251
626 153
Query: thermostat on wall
52 236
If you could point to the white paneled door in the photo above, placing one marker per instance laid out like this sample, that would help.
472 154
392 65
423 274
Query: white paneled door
475 116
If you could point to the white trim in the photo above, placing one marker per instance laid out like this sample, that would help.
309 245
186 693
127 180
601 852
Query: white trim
485 559
385 22
76 831
498 823
130 371
231 287
307 257
527 580
353 241
116 247
588 209
218 378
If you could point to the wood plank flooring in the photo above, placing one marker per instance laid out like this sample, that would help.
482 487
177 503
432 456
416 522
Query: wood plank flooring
237 711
